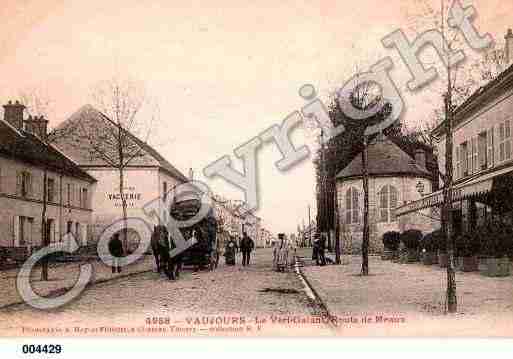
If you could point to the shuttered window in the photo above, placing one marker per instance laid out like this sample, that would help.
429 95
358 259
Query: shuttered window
505 141
388 198
474 155
491 150
352 206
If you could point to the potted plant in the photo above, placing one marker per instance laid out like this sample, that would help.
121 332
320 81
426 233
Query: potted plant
391 245
496 247
429 247
411 241
467 249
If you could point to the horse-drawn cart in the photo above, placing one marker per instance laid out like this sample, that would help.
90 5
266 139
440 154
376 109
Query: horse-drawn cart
205 253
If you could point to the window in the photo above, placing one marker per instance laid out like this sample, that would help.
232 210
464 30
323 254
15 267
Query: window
70 194
50 228
83 198
352 207
50 190
482 151
505 141
387 203
464 159
164 197
490 147
475 156
24 183
23 231
69 227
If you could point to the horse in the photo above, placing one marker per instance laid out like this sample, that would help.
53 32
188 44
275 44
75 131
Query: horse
160 245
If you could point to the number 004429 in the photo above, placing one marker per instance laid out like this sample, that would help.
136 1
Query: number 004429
42 349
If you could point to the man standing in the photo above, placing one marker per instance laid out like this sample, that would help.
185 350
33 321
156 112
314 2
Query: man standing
116 251
246 246
320 251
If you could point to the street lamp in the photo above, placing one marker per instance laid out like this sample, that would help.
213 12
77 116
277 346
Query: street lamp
420 188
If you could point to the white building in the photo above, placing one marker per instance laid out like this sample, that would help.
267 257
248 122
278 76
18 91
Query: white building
148 177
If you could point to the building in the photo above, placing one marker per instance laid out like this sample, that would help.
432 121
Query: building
399 172
482 156
24 159
148 177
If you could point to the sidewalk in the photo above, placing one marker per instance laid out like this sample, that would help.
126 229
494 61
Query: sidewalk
412 299
63 276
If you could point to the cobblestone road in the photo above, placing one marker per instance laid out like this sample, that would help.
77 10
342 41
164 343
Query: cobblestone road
229 301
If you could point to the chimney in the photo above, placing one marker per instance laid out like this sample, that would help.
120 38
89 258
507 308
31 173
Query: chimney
508 50
420 157
37 126
13 114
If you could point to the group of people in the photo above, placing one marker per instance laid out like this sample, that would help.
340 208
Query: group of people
283 253
247 245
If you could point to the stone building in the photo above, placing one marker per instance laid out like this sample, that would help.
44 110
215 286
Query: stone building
148 177
399 172
24 158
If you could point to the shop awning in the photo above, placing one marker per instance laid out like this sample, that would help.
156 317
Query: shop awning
472 187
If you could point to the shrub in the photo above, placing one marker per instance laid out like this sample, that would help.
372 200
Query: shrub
391 240
496 239
411 238
429 242
467 245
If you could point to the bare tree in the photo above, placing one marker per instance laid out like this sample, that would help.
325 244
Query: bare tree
115 138
40 107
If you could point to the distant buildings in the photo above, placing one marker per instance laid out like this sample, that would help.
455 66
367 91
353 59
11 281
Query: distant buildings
233 221
24 158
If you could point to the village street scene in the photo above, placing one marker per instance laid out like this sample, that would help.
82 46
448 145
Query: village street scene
173 179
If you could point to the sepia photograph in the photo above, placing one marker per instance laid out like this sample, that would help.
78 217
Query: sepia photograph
255 169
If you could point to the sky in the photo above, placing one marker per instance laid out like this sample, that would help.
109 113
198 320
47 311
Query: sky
221 71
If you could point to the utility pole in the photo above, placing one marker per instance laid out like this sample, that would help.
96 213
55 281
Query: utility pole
365 241
309 228
325 219
452 303
336 227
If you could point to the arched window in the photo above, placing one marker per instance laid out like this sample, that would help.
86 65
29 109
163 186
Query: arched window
387 203
352 206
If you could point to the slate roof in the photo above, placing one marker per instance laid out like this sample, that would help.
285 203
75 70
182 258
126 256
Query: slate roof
92 117
24 146
385 158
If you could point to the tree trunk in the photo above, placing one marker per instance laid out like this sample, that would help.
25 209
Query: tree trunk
447 215
365 241
336 228
44 224
124 238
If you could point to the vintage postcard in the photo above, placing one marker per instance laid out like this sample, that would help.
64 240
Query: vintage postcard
255 169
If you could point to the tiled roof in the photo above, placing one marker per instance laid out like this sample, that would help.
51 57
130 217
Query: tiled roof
384 158
89 116
24 146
